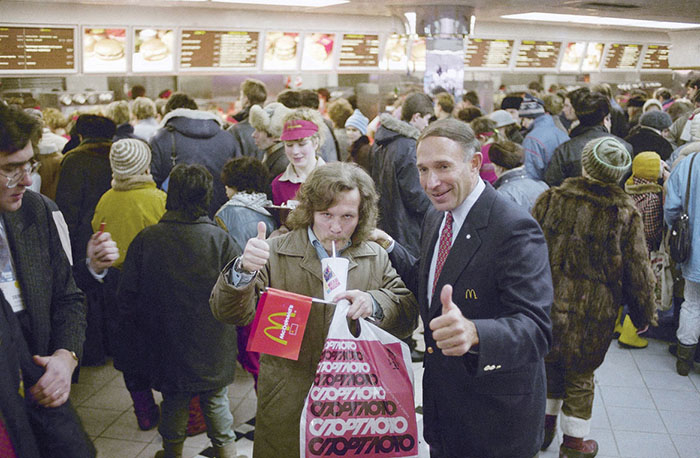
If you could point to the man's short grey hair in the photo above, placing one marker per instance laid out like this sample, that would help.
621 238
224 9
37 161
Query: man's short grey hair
455 130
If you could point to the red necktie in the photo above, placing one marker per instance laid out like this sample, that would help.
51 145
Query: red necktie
443 247
6 448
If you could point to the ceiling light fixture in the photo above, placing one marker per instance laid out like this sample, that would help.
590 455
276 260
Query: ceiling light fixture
308 3
597 20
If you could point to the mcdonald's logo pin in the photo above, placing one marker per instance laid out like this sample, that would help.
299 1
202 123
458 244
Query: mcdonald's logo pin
470 294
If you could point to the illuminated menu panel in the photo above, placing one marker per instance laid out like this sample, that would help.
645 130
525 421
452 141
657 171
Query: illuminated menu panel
623 56
594 55
153 50
34 48
573 56
318 51
538 54
395 53
488 53
213 49
656 57
104 50
281 51
359 50
417 57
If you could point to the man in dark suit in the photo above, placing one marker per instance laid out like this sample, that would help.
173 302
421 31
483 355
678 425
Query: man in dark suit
36 278
484 287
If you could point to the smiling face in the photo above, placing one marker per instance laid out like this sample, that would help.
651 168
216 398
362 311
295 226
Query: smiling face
352 133
444 175
338 222
11 198
301 153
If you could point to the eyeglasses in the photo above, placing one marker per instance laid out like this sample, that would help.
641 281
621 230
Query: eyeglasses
18 174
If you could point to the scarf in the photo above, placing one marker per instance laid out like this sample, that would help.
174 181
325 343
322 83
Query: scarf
254 201
132 182
636 185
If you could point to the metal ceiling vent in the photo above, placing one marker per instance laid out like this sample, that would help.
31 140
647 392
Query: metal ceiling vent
602 6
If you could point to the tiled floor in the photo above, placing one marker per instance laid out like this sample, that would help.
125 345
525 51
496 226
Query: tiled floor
642 409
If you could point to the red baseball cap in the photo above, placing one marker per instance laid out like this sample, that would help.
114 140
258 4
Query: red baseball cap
298 129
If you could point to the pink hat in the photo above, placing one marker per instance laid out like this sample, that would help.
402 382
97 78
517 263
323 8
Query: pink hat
298 129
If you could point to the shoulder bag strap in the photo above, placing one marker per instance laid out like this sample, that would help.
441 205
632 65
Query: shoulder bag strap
687 187
173 151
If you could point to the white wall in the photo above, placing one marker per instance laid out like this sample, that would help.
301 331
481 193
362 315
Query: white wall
685 52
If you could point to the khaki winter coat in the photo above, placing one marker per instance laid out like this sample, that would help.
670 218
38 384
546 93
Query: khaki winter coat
294 266
599 262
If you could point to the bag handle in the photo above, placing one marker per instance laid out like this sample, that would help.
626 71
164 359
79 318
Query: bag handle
687 186
339 325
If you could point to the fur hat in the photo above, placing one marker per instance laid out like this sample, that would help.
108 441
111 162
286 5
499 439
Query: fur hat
605 159
656 119
129 157
269 119
646 165
511 101
531 107
358 121
649 103
501 118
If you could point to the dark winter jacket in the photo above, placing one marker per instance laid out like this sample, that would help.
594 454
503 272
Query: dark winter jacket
596 268
85 175
644 139
566 161
520 188
166 280
275 160
193 137
402 201
243 133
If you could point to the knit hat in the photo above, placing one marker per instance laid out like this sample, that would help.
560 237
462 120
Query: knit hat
501 118
531 107
511 102
129 157
647 105
358 121
656 119
646 165
605 159
269 119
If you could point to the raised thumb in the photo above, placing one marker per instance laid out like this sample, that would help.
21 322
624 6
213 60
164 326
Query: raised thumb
446 298
41 361
261 230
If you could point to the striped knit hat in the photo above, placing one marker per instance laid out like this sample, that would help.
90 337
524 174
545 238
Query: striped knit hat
531 107
129 157
605 159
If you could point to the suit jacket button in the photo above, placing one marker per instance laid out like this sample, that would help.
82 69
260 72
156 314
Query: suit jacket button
430 350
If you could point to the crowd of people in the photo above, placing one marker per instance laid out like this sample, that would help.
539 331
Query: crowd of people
525 238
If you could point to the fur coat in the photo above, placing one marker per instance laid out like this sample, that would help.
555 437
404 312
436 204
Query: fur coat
599 262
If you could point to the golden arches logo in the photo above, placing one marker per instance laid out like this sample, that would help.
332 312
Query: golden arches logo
470 294
282 327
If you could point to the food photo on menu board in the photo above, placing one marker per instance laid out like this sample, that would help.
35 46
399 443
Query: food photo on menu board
395 53
594 55
281 50
417 56
318 51
104 50
573 55
153 50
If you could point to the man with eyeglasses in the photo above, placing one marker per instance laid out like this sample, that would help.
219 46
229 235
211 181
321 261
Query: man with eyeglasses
36 279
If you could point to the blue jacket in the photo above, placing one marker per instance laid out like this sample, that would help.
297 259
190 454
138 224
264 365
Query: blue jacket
673 206
539 145
521 189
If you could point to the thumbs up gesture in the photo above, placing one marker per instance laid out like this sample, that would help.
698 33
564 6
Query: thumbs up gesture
256 252
453 333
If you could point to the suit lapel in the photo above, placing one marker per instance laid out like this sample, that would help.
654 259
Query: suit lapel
464 247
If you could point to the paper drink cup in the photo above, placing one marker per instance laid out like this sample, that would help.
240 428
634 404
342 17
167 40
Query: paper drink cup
335 277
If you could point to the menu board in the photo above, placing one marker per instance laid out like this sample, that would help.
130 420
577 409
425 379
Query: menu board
318 51
417 57
488 53
538 54
359 51
281 51
215 49
153 50
34 48
656 57
395 53
623 56
594 55
573 56
104 50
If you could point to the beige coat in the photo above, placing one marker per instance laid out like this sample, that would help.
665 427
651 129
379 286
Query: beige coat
295 266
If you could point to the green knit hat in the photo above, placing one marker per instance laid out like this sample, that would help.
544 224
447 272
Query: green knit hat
605 159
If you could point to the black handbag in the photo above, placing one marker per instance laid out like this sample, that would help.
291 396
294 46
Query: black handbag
679 240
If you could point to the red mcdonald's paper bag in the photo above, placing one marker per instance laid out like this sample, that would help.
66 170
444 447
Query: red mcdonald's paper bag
279 324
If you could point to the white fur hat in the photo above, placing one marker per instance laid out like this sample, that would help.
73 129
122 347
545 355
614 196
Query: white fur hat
269 119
